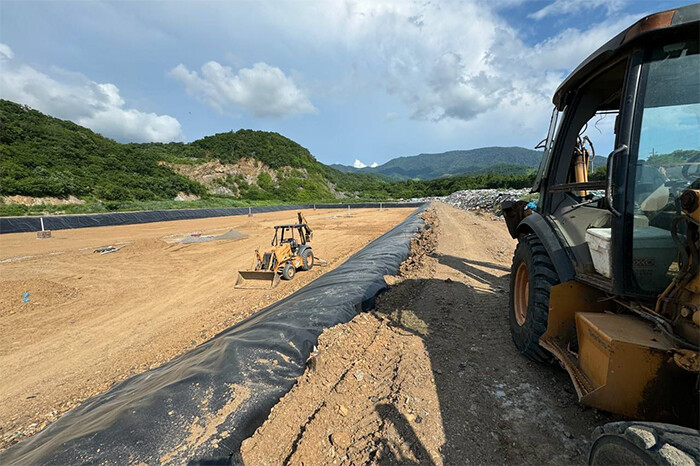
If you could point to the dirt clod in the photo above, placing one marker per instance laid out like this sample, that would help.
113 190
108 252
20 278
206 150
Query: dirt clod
342 439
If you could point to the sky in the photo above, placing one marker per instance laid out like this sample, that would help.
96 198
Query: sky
353 81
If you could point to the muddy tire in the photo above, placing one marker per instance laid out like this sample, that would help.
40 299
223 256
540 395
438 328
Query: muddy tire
307 259
631 443
532 276
288 271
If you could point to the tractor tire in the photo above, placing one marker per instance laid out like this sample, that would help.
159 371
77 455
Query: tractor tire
532 276
288 271
632 443
307 259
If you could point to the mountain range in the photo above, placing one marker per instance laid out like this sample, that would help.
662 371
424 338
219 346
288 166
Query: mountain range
503 160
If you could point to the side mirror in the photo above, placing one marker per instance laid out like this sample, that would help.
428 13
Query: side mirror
609 185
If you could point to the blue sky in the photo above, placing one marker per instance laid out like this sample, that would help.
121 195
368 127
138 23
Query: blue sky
363 80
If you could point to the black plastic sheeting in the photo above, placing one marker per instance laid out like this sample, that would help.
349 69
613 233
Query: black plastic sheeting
62 222
199 407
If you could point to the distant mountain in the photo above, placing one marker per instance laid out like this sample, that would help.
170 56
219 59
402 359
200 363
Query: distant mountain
345 168
502 160
509 161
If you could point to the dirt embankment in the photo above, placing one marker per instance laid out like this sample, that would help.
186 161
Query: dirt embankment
74 322
212 173
33 201
431 376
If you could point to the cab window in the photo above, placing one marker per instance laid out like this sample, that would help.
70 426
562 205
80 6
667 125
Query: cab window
589 138
668 158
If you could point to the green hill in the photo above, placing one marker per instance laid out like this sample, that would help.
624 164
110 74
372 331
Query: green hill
43 156
50 162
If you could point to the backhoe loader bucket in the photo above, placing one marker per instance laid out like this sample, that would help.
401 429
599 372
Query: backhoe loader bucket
251 279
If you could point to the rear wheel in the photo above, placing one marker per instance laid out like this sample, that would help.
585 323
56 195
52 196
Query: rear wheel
532 276
307 259
288 271
641 443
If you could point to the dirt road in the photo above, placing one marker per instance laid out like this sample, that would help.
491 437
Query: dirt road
92 320
431 376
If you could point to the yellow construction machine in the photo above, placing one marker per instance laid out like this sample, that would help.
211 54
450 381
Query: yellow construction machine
290 252
605 277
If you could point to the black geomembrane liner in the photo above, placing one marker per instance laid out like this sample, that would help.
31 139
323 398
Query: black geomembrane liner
62 222
232 381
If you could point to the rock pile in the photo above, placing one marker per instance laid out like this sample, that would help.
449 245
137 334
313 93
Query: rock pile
488 200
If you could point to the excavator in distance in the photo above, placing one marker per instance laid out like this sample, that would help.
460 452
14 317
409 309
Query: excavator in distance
606 275
289 252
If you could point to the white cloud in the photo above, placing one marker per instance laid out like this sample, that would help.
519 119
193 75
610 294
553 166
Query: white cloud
567 49
374 165
567 7
449 62
263 90
358 164
5 53
459 67
74 97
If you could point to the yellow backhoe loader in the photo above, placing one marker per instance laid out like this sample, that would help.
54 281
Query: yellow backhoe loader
605 277
290 252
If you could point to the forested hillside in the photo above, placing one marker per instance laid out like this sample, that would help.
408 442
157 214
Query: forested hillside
44 157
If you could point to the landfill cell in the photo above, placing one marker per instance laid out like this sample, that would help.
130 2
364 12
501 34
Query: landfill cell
90 320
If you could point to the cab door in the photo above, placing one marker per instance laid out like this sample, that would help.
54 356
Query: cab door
664 161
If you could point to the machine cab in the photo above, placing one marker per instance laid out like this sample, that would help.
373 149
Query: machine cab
623 145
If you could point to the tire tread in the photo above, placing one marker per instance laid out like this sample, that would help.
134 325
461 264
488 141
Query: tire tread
684 439
543 276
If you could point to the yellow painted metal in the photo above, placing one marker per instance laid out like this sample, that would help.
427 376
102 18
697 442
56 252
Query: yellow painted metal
521 294
265 273
266 276
622 355
296 262
617 362
257 280
565 300
581 168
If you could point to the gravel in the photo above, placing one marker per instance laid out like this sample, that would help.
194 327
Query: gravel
488 200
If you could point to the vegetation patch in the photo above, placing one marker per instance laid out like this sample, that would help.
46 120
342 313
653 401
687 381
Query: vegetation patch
44 157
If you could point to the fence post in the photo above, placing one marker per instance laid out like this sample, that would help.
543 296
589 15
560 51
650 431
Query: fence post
43 233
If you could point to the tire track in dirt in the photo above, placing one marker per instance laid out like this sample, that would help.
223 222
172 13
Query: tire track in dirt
441 381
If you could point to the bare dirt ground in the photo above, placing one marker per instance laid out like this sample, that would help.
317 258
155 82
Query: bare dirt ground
431 376
93 320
